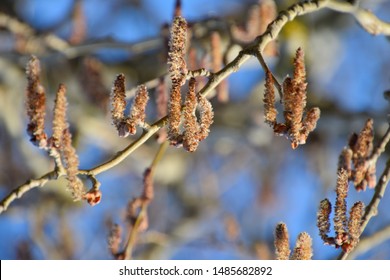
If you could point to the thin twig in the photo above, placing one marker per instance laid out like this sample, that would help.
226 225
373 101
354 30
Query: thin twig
144 207
121 155
29 185
134 232
266 69
202 72
380 148
365 18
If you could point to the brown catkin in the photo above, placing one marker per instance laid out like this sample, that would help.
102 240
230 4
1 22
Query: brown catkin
118 104
299 70
174 115
362 149
303 247
363 146
288 101
206 116
270 111
71 164
309 123
91 80
148 190
340 218
355 222
137 112
177 50
282 246
59 118
35 104
299 86
323 219
191 128
345 160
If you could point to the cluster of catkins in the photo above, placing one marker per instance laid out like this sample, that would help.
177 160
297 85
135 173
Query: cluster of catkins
355 165
297 124
59 145
347 231
355 158
303 247
184 127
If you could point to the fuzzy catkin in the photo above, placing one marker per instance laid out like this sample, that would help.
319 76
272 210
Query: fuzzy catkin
71 164
323 219
340 208
59 118
309 123
206 117
35 104
282 246
303 248
270 112
345 160
118 104
354 223
174 115
191 128
138 108
177 50
298 99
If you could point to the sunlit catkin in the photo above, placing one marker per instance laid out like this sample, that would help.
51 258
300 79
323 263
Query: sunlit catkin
35 104
303 247
282 246
59 118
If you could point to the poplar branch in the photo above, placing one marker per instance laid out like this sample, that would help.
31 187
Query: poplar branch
29 185
368 20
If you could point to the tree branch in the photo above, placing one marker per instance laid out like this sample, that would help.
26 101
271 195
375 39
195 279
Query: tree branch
29 185
369 21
